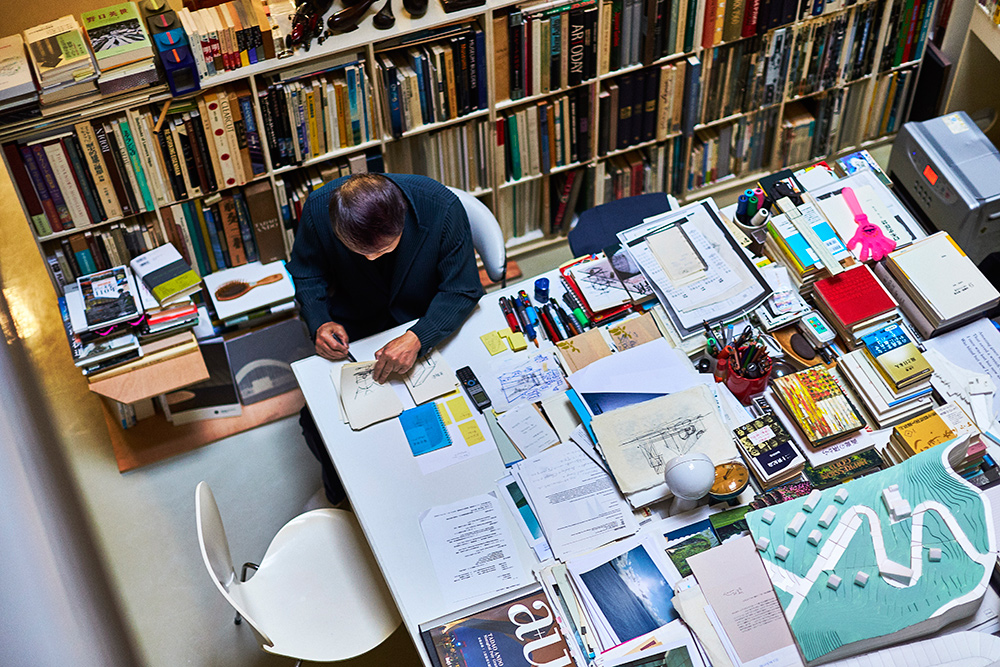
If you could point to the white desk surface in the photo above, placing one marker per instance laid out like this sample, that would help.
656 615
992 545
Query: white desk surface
380 474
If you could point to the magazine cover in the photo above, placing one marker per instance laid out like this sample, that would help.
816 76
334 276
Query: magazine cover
521 632
108 297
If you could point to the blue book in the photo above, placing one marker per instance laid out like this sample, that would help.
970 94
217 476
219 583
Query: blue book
352 96
86 262
213 235
416 62
253 136
423 428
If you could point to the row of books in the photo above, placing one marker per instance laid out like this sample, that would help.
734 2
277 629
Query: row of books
546 135
909 22
744 76
230 35
312 116
524 209
434 81
818 54
646 105
543 48
656 168
890 102
211 234
457 156
730 149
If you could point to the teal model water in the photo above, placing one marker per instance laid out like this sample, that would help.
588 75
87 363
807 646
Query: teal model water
909 590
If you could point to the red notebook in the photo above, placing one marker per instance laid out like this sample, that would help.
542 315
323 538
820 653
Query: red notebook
854 295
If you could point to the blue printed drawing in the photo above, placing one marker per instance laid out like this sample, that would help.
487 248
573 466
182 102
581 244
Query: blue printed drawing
531 381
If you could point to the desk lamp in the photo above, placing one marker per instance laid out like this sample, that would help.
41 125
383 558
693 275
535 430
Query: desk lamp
689 477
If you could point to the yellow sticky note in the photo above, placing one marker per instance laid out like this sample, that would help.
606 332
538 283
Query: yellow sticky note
504 333
471 433
445 419
459 409
517 341
493 342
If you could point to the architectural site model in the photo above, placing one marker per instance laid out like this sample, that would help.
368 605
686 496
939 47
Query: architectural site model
882 559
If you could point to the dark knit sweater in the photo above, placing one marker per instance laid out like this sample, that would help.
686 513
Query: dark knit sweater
434 277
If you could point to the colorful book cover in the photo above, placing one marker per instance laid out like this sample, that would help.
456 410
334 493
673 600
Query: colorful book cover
117 34
58 45
842 470
518 633
896 357
108 297
817 403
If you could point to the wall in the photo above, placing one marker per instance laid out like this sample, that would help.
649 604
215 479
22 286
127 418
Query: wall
30 14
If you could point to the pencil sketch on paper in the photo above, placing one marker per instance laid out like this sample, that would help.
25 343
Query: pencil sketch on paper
429 378
678 437
366 401
599 284
639 440
531 381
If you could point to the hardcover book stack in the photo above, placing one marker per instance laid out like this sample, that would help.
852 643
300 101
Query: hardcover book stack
433 78
102 314
854 302
63 64
890 375
543 136
937 286
122 47
166 283
786 244
306 117
18 95
818 406
768 447
931 428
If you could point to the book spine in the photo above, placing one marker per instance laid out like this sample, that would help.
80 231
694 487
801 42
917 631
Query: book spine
577 49
109 152
133 156
208 217
231 236
246 231
252 135
86 185
41 189
125 166
51 185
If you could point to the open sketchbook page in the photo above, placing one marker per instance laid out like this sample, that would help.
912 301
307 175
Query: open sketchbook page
429 378
366 401
639 440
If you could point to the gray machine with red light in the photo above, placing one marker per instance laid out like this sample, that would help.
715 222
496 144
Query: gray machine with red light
948 173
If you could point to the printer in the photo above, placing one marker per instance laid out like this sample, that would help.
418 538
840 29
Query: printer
948 173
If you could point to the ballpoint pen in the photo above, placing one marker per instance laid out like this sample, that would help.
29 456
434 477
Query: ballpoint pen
571 325
526 325
350 357
509 314
548 326
530 310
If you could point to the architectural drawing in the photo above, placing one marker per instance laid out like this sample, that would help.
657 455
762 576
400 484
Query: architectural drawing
639 440
915 541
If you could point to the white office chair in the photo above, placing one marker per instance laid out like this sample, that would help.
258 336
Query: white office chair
317 595
487 238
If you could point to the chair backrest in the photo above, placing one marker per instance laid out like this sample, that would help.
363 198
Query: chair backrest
598 227
215 553
487 237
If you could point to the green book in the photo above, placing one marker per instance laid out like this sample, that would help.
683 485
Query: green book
515 150
133 156
117 35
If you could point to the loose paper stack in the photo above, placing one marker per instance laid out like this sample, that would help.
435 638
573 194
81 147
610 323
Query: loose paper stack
937 286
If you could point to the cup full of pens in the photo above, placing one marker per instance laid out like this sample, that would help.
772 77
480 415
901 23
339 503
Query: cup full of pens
742 362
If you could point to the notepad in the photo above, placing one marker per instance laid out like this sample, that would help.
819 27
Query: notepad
424 429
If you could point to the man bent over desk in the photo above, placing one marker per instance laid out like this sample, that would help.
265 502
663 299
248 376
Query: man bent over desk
374 251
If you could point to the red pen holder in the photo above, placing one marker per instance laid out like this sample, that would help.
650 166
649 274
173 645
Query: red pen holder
744 387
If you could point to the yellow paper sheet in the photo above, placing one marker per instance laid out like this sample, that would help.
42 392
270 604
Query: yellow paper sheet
517 341
493 342
471 433
459 409
445 419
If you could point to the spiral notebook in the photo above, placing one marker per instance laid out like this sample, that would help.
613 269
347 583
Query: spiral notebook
424 429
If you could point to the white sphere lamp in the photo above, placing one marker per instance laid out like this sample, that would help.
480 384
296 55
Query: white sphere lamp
690 478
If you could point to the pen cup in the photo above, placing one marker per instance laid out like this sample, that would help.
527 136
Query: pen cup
744 387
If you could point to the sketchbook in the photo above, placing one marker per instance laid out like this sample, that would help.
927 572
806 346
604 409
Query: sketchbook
430 377
365 401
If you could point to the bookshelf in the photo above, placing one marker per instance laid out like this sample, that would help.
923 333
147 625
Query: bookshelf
753 97
979 62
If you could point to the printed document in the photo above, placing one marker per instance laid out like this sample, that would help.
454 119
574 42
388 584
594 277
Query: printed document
472 549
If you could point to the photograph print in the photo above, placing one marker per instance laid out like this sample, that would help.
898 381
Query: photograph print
632 593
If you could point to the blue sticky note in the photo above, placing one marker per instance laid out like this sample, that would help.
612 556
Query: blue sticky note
423 429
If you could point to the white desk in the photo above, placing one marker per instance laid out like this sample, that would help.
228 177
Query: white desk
381 477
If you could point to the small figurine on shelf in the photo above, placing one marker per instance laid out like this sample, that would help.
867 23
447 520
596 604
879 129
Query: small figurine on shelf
307 23
347 19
